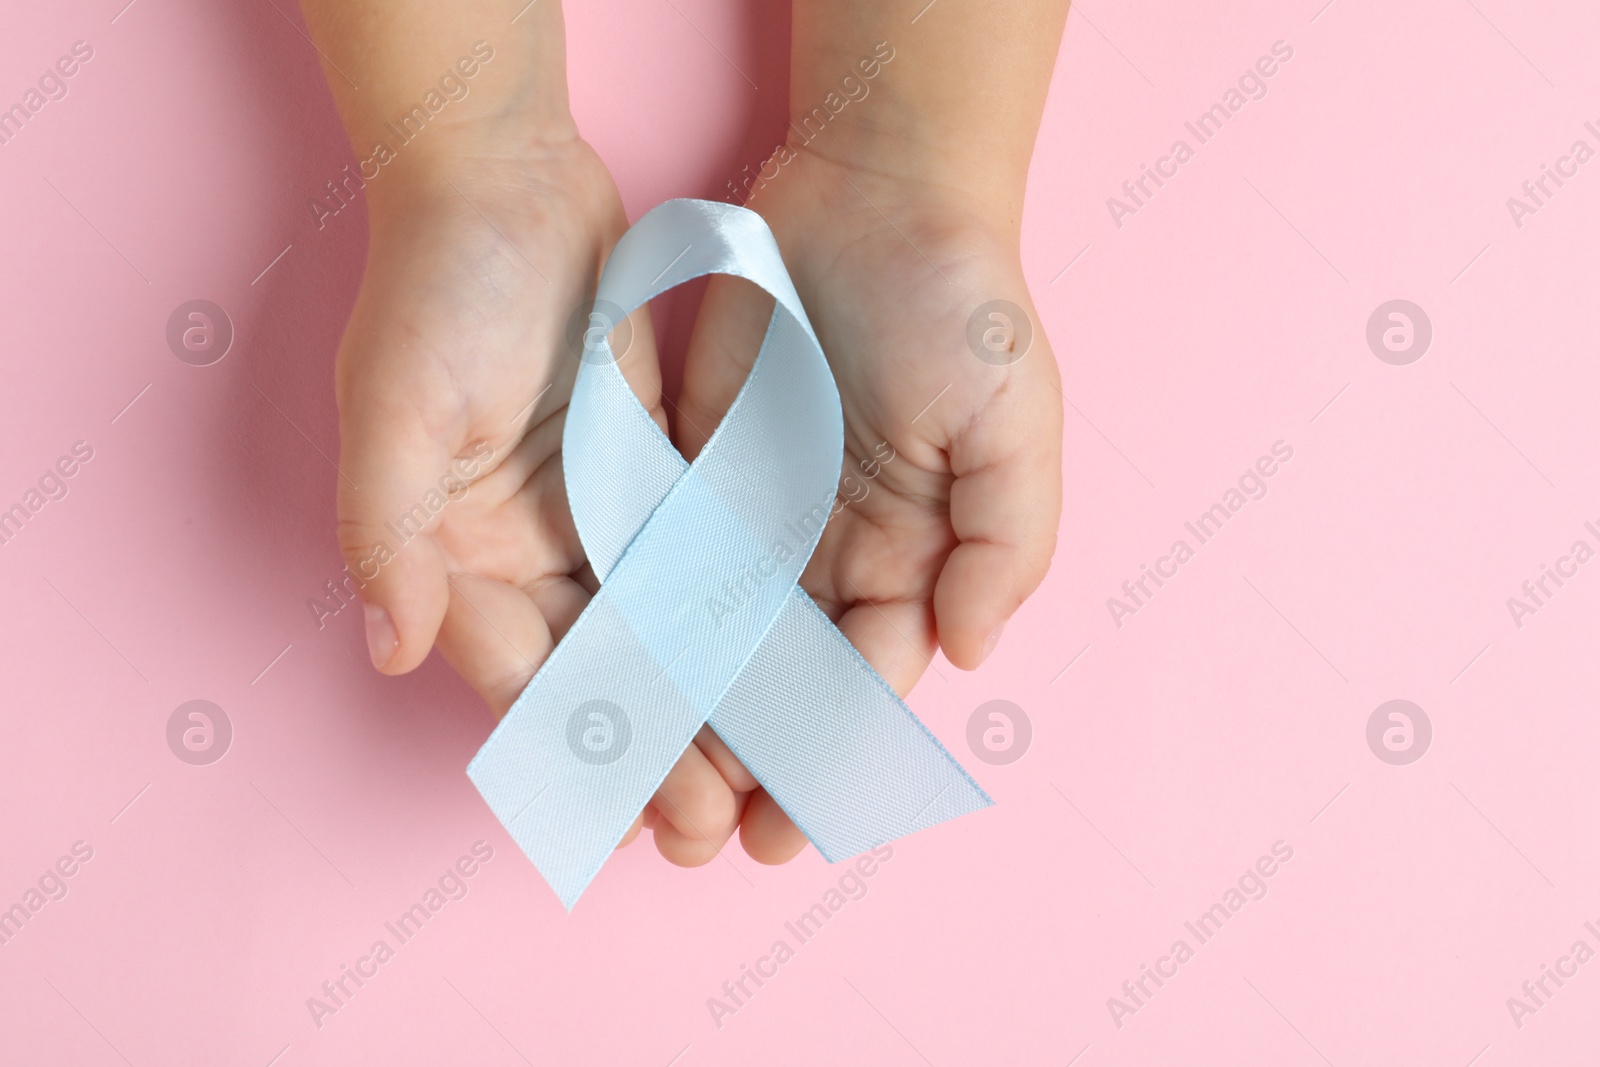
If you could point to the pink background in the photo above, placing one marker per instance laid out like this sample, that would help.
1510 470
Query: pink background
1228 714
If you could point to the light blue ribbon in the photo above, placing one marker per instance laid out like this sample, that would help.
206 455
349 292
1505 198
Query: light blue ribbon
699 617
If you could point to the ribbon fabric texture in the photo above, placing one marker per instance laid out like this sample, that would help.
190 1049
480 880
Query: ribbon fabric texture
699 617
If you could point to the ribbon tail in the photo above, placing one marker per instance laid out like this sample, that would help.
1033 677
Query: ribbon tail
832 744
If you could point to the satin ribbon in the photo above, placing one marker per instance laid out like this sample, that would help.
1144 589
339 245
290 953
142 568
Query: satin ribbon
699 617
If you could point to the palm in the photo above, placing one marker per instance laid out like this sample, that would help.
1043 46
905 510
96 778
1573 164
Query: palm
916 557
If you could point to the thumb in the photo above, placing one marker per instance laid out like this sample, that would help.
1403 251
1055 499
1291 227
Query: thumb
396 480
1005 506
1005 517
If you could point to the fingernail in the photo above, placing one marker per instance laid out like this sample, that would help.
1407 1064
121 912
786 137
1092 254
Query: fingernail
381 637
992 640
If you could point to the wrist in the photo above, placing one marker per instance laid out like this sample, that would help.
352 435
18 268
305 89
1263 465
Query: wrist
908 184
900 145
486 152
903 110
438 100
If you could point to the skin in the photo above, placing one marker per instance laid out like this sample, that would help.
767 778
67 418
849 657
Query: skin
488 233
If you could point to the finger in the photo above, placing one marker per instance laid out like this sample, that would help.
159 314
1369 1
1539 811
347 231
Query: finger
687 850
515 523
539 443
698 811
637 359
495 637
767 834
722 758
896 637
560 600
723 346
1005 508
391 474
633 832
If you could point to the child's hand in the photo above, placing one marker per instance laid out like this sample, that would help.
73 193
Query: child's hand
488 232
453 378
899 217
453 381
958 528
